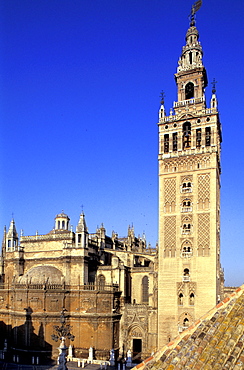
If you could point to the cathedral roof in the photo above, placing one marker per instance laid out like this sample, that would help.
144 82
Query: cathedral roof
216 341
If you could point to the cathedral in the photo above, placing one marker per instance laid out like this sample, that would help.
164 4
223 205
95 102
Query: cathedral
113 292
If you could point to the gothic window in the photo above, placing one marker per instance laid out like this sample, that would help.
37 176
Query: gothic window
145 290
208 136
192 299
79 238
180 299
186 135
189 90
198 137
185 323
166 143
175 142
9 244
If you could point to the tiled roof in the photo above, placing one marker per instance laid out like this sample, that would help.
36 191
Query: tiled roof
215 342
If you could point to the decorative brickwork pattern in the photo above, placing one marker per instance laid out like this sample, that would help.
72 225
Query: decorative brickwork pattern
203 191
170 236
170 190
203 238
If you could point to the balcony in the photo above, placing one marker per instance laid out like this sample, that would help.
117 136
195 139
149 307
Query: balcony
186 209
186 255
186 190
186 231
185 278
184 103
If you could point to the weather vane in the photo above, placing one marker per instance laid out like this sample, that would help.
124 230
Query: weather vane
214 86
162 96
195 7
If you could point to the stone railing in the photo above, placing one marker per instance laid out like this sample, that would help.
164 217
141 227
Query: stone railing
50 286
36 238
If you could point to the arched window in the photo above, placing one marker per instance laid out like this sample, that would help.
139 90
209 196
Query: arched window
101 281
185 323
58 224
186 275
63 224
186 135
186 206
192 299
186 187
145 290
189 90
180 299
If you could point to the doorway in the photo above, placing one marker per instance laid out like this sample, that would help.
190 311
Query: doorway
137 348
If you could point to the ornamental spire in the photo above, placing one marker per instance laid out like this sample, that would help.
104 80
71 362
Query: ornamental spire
195 7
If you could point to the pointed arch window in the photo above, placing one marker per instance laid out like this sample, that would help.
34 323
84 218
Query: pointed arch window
145 290
180 299
192 299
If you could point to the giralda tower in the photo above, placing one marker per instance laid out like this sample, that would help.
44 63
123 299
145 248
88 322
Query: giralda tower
190 277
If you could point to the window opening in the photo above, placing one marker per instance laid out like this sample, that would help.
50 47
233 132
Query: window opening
175 141
145 292
63 225
190 57
198 137
192 297
101 281
185 323
189 88
180 299
208 136
186 135
186 275
166 143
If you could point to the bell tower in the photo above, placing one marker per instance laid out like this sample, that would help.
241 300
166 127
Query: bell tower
190 277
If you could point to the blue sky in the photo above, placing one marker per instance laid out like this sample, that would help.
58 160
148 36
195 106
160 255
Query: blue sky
79 96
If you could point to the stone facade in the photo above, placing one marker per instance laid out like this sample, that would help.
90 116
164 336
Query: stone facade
190 279
92 276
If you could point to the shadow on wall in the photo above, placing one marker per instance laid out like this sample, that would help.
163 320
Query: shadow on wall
20 344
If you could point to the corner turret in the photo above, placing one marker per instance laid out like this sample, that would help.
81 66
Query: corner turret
12 238
81 236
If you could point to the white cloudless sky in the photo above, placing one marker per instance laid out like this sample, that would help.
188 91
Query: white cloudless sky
79 96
